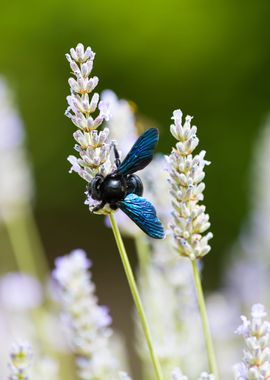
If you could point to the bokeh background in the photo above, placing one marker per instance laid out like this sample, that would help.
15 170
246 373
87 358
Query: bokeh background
211 59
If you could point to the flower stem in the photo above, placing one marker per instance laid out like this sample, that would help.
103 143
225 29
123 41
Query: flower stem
38 250
207 335
26 244
136 296
21 246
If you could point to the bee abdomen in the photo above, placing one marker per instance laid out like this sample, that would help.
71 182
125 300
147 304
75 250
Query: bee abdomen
134 185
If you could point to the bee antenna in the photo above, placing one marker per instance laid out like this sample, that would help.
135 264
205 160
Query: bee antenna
116 153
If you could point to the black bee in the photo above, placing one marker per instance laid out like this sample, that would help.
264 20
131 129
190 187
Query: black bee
123 189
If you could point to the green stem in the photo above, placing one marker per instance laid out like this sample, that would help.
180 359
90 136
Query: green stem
26 245
19 240
207 335
38 252
136 296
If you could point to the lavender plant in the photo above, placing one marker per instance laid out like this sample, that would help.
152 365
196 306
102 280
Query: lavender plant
93 146
189 218
256 359
94 151
87 323
23 315
20 361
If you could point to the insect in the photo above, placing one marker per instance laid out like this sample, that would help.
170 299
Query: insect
123 189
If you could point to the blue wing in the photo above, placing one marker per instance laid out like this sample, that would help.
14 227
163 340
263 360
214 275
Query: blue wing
141 154
143 213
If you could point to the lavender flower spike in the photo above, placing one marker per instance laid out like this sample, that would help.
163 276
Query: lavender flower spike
256 360
20 361
186 174
93 146
86 322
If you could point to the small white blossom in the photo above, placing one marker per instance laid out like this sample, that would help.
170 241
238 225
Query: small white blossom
258 312
186 174
256 360
93 146
86 322
20 361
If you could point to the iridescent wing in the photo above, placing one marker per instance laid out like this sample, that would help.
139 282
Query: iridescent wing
141 154
143 213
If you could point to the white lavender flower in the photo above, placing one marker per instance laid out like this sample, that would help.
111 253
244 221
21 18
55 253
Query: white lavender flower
186 175
20 361
93 146
16 185
256 333
87 323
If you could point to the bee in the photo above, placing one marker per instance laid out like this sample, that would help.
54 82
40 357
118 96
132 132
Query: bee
123 189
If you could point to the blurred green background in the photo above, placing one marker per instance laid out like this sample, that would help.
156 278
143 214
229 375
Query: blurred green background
209 58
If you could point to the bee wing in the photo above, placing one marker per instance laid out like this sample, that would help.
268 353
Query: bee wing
143 213
141 154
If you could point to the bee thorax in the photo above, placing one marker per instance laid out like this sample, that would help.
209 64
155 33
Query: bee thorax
113 189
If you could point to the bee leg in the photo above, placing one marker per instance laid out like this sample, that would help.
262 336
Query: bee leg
99 207
116 154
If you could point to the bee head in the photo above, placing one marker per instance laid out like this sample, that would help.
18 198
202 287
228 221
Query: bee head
94 187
